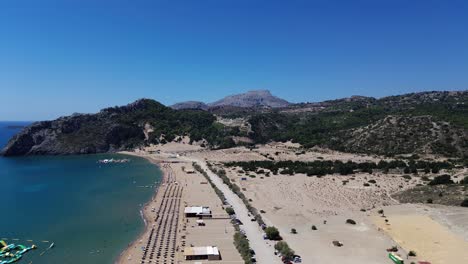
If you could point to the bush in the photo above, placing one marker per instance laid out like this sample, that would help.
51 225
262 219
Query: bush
429 201
464 181
372 181
285 250
442 179
293 231
230 211
350 221
314 227
412 253
366 184
381 211
243 246
464 203
406 177
272 233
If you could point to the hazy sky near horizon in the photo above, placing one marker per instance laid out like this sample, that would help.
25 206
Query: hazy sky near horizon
61 57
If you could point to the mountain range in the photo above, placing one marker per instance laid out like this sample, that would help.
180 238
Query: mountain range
422 123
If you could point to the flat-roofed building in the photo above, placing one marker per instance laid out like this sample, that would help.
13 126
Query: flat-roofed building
201 253
197 211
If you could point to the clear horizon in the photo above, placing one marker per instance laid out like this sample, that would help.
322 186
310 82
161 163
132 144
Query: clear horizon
60 57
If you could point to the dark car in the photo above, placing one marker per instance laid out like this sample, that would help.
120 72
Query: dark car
237 221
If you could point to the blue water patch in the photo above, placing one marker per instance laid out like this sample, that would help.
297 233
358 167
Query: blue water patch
89 210
35 187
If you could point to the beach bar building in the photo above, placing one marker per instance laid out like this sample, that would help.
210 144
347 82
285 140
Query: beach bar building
197 211
202 253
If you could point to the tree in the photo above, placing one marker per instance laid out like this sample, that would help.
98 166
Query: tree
293 231
443 179
230 211
464 181
272 233
464 203
285 250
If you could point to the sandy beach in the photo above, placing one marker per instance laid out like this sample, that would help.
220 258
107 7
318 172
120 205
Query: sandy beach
167 231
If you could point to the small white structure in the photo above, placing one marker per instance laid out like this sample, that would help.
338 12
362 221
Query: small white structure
198 253
197 211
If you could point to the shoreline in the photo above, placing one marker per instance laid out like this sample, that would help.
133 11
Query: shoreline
146 217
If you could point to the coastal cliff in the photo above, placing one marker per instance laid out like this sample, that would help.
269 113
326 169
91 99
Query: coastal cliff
113 129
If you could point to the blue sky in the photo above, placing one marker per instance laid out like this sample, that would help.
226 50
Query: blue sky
60 57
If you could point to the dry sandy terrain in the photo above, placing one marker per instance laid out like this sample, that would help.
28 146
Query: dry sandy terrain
437 233
299 202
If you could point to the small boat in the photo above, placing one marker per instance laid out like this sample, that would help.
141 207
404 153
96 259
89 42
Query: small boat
51 245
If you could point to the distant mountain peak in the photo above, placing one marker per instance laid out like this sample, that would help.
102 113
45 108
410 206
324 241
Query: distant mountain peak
254 98
190 105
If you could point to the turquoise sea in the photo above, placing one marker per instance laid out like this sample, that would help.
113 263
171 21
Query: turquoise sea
89 210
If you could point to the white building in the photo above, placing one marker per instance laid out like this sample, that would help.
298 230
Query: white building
197 211
198 253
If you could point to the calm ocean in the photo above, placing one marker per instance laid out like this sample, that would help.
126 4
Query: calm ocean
89 210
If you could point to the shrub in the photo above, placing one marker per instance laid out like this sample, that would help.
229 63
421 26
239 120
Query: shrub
314 227
272 233
293 231
412 253
366 184
285 250
442 179
230 211
464 203
429 201
243 246
350 221
372 181
464 181
406 177
381 211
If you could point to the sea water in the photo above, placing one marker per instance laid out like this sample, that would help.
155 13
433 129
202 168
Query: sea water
90 211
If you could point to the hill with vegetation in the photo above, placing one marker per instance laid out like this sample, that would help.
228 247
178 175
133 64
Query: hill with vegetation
417 123
117 128
430 122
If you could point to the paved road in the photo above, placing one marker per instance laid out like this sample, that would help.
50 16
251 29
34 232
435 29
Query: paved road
263 248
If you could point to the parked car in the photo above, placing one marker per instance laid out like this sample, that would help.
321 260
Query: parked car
297 259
